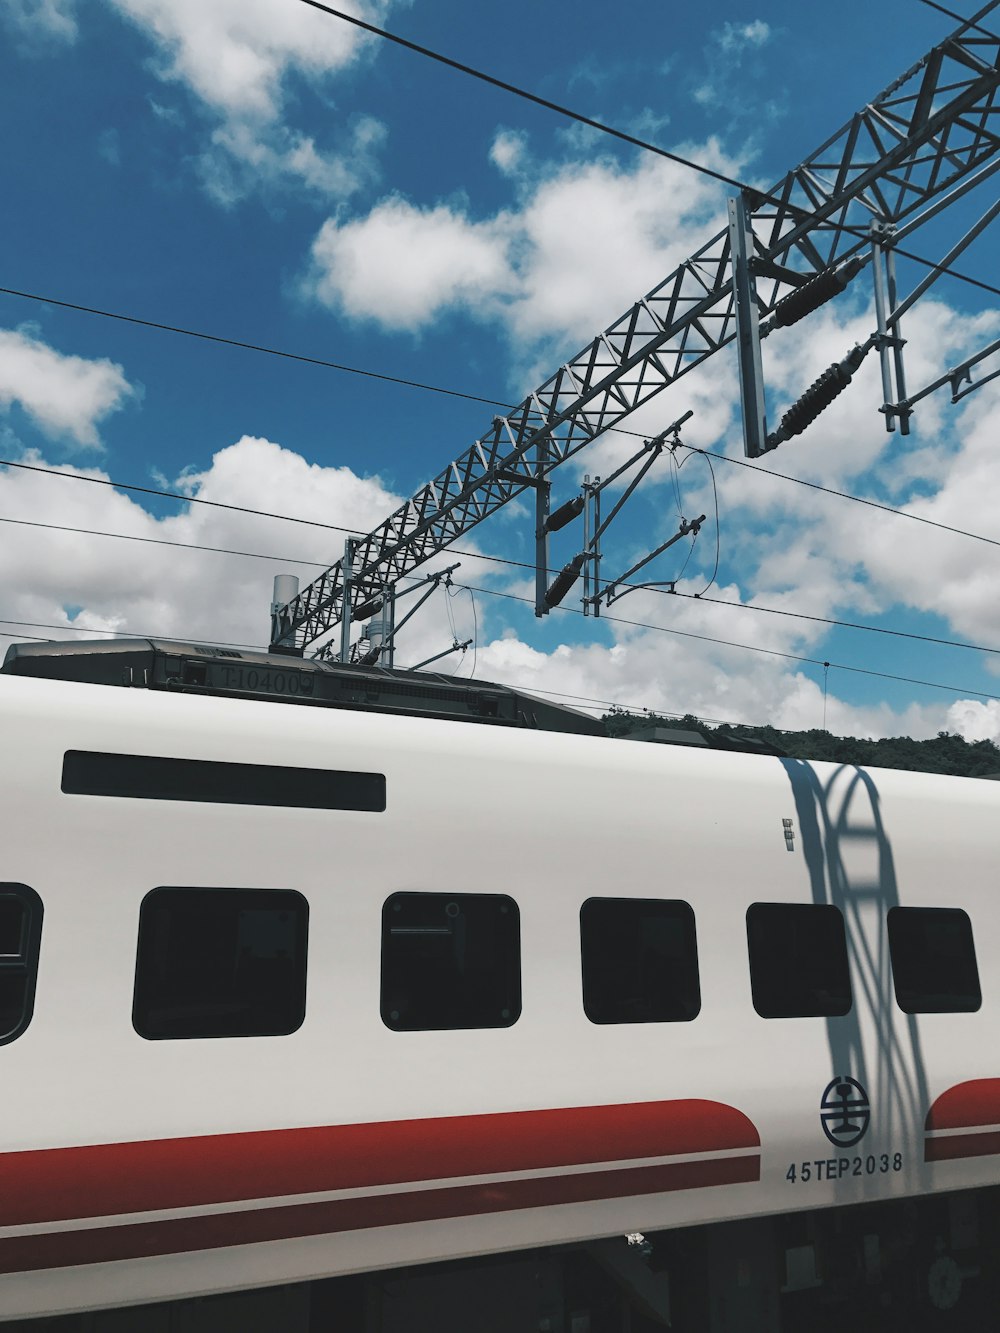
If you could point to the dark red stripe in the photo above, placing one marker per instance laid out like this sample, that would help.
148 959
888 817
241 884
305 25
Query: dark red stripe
967 1104
961 1145
95 1181
141 1240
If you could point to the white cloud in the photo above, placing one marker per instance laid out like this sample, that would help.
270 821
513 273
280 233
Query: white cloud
240 156
72 579
975 721
585 240
735 38
40 22
728 56
66 396
403 266
241 60
236 54
507 150
76 580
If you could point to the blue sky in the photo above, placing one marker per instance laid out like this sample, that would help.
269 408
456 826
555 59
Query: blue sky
253 168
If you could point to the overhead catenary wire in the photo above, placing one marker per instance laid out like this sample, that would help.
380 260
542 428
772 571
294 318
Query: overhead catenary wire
512 88
620 620
175 495
249 346
521 564
748 647
828 620
622 135
430 388
164 541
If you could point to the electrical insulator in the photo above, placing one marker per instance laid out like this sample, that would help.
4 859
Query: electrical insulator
564 580
814 293
565 514
366 609
818 397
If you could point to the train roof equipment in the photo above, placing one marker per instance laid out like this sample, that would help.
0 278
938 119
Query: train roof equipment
187 668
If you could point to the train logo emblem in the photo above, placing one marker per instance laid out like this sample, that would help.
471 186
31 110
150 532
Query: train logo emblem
844 1111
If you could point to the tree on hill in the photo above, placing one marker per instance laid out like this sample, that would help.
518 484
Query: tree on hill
944 753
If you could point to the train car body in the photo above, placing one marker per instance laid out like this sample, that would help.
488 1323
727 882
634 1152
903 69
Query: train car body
140 1166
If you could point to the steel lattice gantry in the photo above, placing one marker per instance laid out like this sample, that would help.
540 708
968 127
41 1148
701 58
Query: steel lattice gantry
931 135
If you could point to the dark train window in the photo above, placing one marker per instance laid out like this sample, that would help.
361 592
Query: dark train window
933 960
450 960
20 934
798 960
640 961
220 963
152 778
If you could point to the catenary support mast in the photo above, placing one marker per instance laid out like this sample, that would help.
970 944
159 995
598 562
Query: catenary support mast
932 129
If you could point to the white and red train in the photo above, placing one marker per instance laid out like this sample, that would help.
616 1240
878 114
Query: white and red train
288 993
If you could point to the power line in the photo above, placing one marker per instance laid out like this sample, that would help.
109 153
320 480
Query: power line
434 388
527 96
570 114
749 647
175 495
248 346
620 620
824 620
516 564
163 541
844 495
515 597
124 634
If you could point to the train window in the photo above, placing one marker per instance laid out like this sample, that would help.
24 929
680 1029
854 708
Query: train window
450 960
640 961
933 960
20 934
220 963
153 778
798 960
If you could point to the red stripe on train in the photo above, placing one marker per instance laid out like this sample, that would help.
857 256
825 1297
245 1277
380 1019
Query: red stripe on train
178 1235
972 1106
967 1105
55 1184
961 1145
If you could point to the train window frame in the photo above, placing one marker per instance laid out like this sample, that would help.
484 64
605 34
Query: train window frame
22 964
594 932
245 900
400 967
153 777
768 961
910 999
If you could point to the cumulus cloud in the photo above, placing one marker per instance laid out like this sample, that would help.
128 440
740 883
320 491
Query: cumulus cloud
236 54
576 246
66 396
583 239
86 582
403 266
240 59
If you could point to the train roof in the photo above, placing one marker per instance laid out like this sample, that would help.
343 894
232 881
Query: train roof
189 668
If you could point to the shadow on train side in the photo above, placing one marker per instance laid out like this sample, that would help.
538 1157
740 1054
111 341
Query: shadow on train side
850 863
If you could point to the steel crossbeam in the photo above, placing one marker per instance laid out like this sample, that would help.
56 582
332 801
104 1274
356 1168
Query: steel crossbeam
925 134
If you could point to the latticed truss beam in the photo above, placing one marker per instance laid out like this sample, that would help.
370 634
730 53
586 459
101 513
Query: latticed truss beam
923 135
